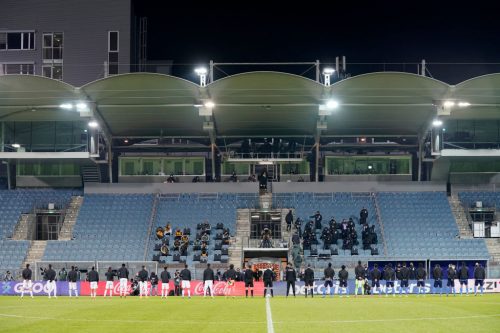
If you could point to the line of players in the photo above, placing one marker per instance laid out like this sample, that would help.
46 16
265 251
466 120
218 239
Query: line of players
362 277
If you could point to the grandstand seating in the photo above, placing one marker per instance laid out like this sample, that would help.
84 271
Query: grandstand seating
109 227
187 210
489 199
422 224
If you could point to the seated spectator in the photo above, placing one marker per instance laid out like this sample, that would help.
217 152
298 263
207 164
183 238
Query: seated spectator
204 252
8 276
233 177
252 178
177 245
168 230
266 239
363 215
178 233
205 238
295 238
185 238
164 250
159 233
196 179
317 220
171 179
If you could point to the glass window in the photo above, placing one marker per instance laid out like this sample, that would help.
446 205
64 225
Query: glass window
295 168
130 166
194 166
3 41
14 41
151 166
17 40
70 169
113 41
173 167
238 168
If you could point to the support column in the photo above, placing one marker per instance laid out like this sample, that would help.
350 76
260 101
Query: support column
316 168
3 136
8 176
419 155
110 162
213 161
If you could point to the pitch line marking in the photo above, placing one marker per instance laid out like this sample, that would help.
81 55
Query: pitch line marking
270 327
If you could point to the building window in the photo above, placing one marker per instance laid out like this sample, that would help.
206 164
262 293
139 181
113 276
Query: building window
17 68
113 49
17 40
53 71
52 45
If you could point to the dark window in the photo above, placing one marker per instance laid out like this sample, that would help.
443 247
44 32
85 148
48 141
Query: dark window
14 41
113 41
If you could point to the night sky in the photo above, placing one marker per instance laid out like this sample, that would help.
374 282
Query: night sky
394 32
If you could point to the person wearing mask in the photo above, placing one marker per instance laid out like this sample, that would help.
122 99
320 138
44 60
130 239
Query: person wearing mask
268 278
50 276
62 274
343 276
452 275
437 274
309 279
185 276
290 277
143 282
389 277
208 281
376 276
8 276
317 220
248 278
479 276
359 272
123 277
329 275
363 215
165 280
421 276
230 276
72 278
289 220
93 277
463 277
110 276
177 283
404 277
27 284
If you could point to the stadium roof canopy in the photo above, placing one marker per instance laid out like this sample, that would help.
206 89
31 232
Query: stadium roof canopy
251 104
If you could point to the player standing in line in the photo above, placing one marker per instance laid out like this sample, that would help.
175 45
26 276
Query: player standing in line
329 275
72 277
309 279
248 278
359 272
463 276
268 278
185 276
437 274
290 277
50 275
452 275
94 279
230 277
479 276
389 277
110 275
165 280
404 274
123 276
208 281
143 282
376 275
343 276
421 276
27 284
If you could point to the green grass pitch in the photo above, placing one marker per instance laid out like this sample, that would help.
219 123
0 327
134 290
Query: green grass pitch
198 315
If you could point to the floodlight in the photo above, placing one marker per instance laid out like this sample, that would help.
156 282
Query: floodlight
437 123
200 71
16 145
66 106
93 124
332 104
209 104
463 104
448 104
81 106
328 70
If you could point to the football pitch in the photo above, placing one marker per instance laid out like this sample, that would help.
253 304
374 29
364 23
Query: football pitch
199 315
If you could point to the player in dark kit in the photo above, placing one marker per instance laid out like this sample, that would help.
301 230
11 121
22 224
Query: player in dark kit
93 279
50 275
268 278
343 276
110 276
309 279
143 282
452 275
404 275
463 276
123 277
185 276
376 275
72 278
479 276
421 276
290 277
437 274
165 279
27 284
248 278
230 277
359 271
329 275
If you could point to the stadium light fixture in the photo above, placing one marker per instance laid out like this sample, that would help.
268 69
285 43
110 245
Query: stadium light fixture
463 104
449 104
16 145
209 104
327 72
202 73
66 106
265 163
437 123
332 104
81 106
125 141
93 124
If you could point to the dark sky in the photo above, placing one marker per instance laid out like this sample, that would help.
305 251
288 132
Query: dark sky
379 32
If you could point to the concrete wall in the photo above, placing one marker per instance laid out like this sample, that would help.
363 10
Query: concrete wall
172 188
85 25
358 187
31 181
368 178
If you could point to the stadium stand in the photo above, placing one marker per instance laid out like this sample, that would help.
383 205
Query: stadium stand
421 224
488 199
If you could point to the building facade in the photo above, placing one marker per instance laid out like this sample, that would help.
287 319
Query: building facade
69 40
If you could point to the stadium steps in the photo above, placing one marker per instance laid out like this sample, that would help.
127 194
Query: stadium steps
35 252
379 221
24 227
493 245
286 235
152 219
266 201
91 174
242 234
66 232
460 217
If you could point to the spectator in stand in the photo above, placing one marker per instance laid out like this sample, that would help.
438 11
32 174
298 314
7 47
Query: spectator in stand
298 226
437 274
452 275
252 178
389 277
154 284
295 239
289 220
290 277
479 276
463 276
363 215
171 179
309 279
343 276
421 276
268 277
329 275
168 230
376 275
317 220
8 276
165 280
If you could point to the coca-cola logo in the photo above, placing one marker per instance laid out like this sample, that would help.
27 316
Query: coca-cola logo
219 288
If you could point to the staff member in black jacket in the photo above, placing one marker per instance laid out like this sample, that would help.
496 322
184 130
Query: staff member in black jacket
27 284
290 277
268 278
185 276
50 275
309 279
376 275
248 278
143 282
93 279
452 275
165 280
72 278
437 274
463 276
208 281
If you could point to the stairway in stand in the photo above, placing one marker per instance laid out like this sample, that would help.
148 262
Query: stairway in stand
460 217
241 236
35 253
66 232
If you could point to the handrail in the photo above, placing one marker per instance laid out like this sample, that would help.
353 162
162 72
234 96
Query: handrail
154 210
379 221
